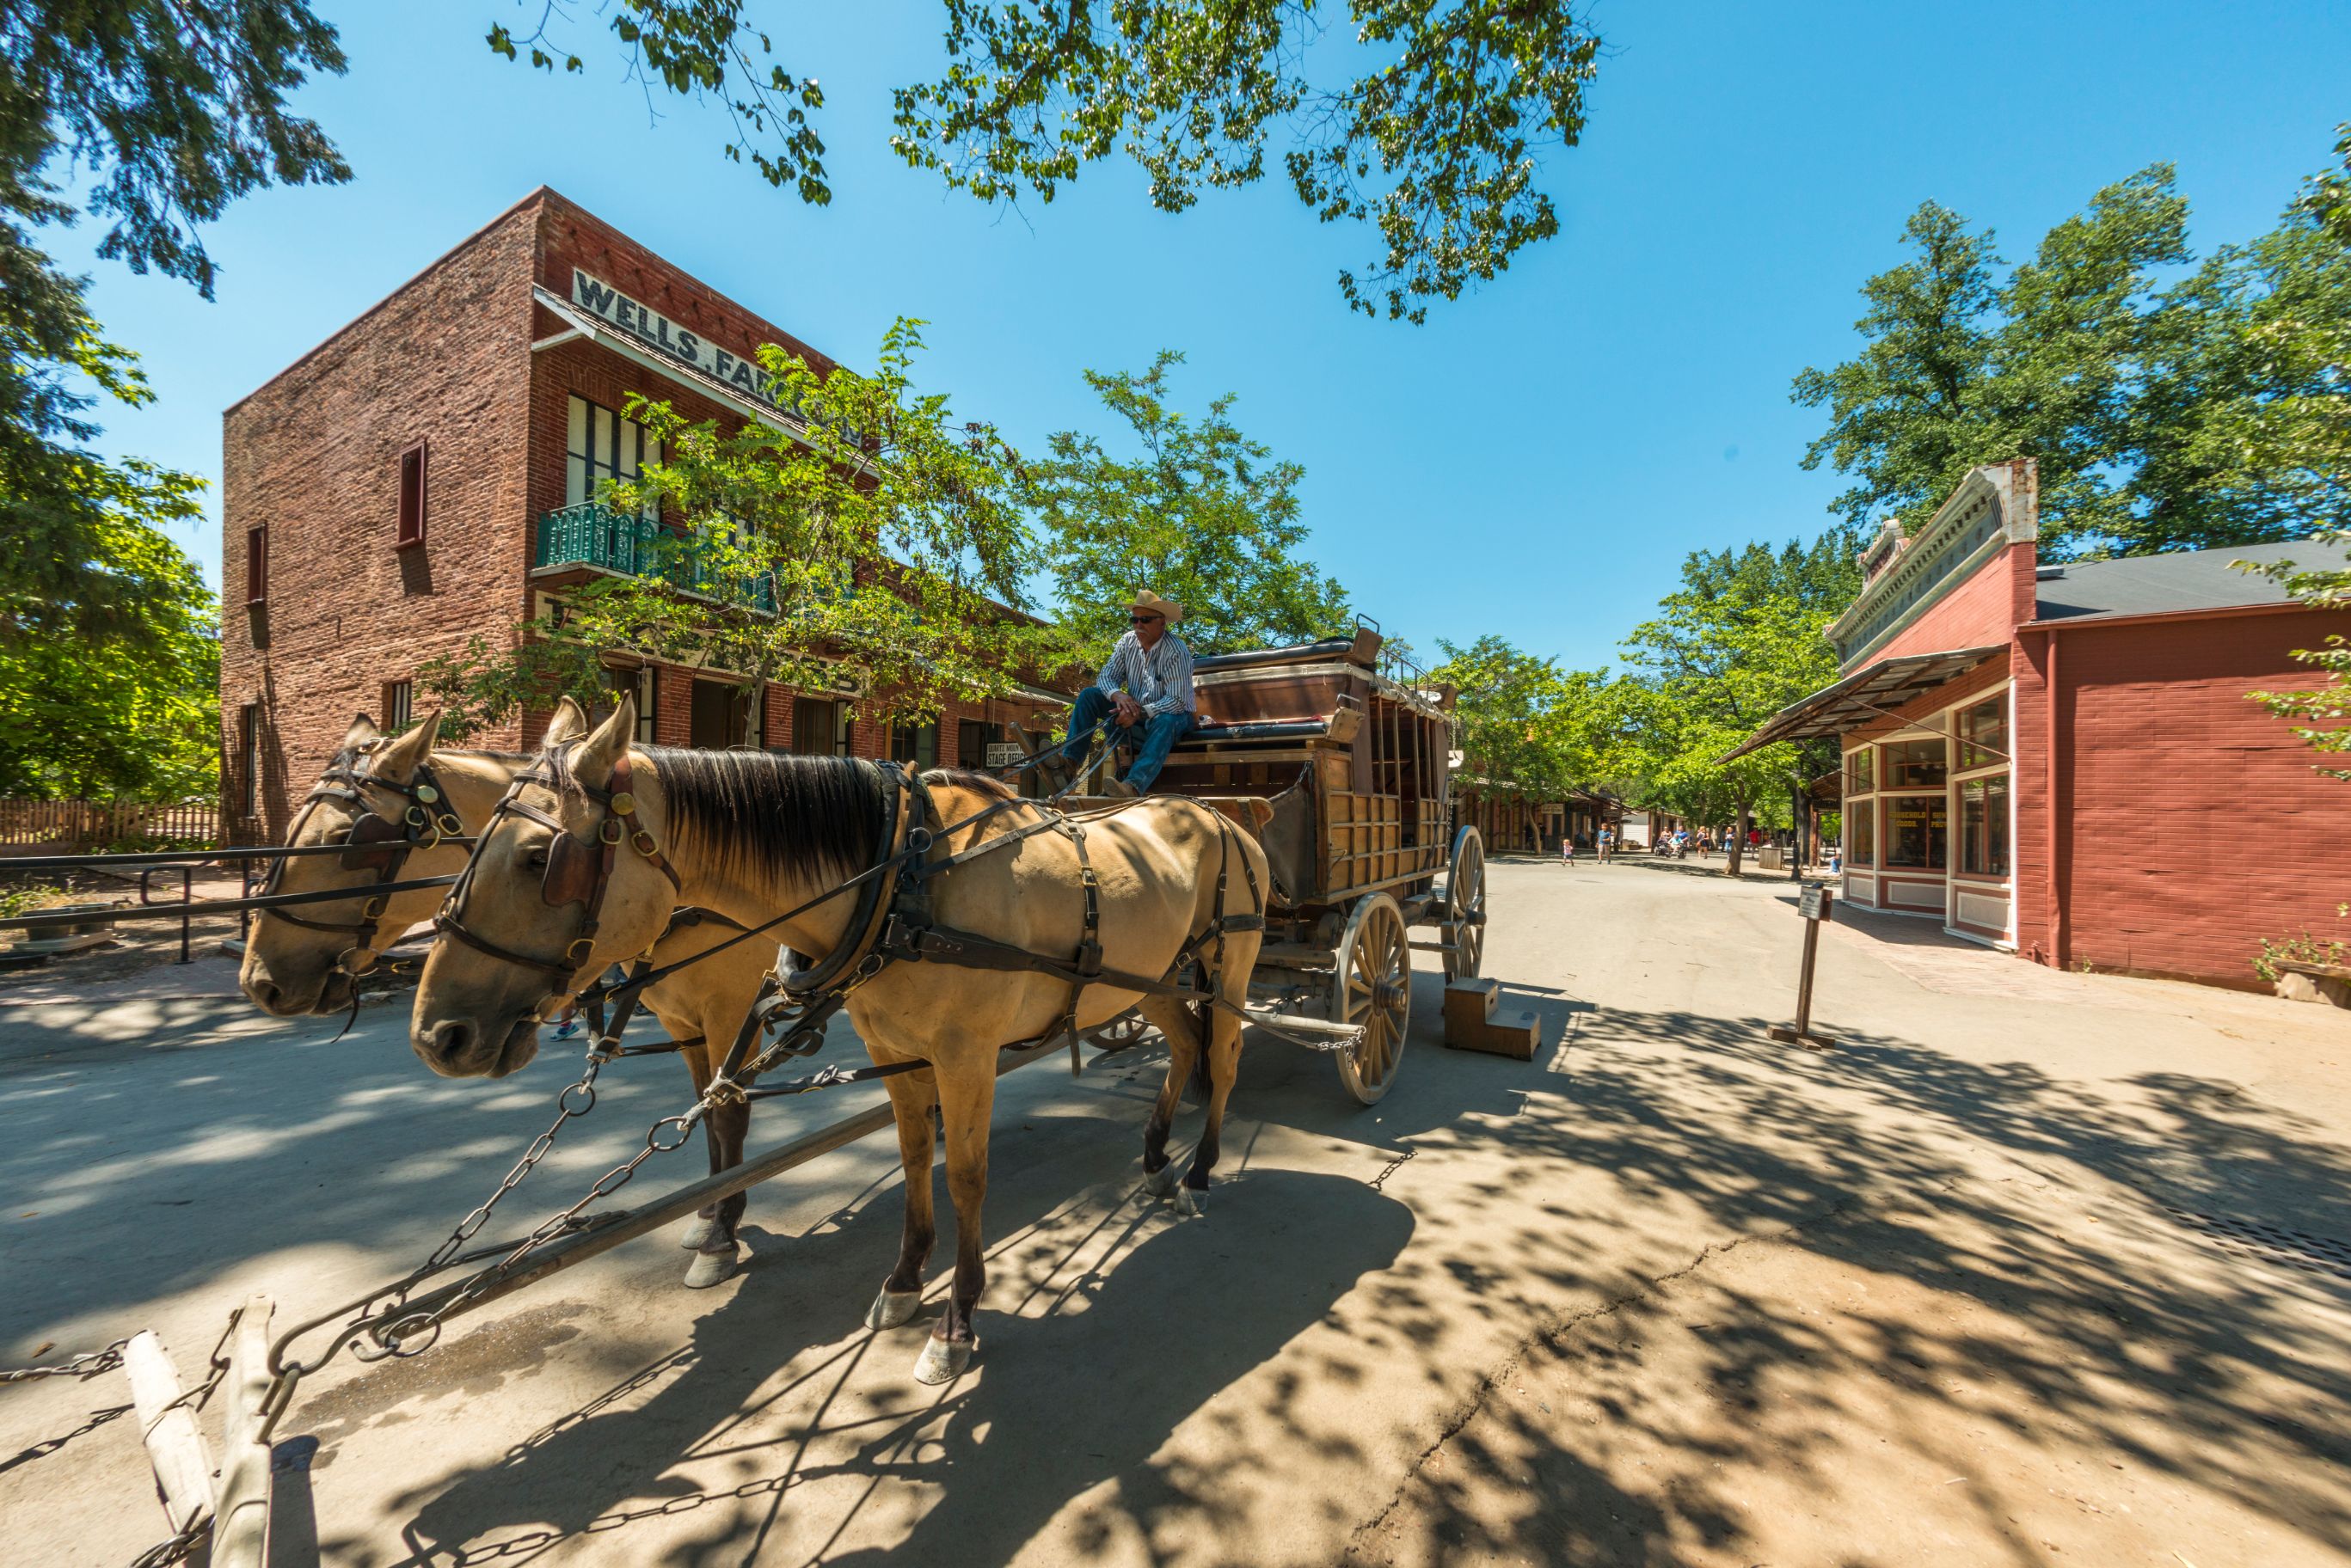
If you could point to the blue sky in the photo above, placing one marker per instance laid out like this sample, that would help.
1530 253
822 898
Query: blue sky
1535 461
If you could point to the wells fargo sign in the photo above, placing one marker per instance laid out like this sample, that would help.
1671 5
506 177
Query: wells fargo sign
659 332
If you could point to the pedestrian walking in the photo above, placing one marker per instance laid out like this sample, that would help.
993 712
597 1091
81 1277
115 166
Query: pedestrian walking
1567 850
1607 843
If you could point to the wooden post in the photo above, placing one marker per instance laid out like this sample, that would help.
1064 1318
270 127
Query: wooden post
241 1523
183 1470
1816 905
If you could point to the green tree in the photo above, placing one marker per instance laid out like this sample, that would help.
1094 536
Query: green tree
1515 713
2133 398
2320 715
1200 514
1737 642
164 113
1429 135
119 717
877 544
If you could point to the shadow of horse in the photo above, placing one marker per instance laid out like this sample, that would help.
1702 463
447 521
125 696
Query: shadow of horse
1081 1380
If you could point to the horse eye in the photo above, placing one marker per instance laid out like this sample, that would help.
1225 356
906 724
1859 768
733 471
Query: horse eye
537 860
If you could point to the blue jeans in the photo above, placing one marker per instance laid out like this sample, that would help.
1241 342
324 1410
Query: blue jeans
1153 739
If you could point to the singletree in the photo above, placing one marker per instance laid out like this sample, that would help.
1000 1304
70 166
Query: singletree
1197 512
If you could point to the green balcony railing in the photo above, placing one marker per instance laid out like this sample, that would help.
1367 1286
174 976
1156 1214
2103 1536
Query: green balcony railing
594 535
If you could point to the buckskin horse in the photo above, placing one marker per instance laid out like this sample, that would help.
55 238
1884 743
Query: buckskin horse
393 801
968 950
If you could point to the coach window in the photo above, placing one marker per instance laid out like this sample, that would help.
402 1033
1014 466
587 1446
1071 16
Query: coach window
602 449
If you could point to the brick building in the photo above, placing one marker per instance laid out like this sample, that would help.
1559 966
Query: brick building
2063 760
430 472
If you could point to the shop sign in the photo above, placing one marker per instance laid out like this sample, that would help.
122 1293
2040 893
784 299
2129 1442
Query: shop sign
659 332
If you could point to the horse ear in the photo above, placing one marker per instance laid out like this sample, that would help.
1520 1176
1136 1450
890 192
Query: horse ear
570 722
400 756
601 752
361 732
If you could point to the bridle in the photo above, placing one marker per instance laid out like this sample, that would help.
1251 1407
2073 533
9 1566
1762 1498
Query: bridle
579 870
374 841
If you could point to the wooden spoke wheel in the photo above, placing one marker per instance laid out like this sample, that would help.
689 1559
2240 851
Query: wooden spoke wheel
1465 906
1125 1030
1373 986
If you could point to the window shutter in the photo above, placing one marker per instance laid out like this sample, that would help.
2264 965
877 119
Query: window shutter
256 566
411 498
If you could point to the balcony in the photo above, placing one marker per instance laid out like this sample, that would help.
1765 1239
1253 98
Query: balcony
594 535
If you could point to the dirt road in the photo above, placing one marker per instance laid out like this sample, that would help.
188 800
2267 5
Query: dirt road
2039 1267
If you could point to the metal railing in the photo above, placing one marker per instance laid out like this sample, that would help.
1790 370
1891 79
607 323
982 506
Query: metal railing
594 535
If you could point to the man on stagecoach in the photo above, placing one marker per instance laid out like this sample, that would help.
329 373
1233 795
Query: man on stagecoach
1142 697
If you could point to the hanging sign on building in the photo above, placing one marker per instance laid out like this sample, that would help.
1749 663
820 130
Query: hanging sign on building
659 332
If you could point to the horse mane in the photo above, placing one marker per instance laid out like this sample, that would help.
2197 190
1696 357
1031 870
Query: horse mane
753 812
980 783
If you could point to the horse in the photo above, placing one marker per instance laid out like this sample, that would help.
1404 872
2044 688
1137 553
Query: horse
308 959
762 837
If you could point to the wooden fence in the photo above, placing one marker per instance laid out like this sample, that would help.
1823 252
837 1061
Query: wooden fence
78 826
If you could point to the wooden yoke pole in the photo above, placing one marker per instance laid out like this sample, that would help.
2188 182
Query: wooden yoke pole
183 1468
241 1523
1816 905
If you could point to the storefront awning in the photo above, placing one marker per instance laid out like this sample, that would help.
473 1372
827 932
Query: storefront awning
1864 696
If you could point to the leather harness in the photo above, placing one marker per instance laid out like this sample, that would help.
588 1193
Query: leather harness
374 840
892 923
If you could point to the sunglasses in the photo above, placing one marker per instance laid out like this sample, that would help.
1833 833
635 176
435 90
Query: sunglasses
1143 619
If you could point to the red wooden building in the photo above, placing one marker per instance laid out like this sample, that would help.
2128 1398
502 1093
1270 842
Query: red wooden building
2063 760
429 473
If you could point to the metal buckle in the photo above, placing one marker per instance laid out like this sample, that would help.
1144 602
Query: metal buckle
642 842
416 816
578 949
918 840
609 831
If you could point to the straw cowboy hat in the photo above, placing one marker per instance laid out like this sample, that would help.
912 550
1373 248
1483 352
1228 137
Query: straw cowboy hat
1145 599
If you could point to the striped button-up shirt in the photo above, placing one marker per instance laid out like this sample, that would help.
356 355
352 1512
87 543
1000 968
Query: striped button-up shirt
1160 679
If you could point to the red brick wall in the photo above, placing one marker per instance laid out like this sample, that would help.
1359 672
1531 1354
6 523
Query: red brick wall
2195 824
313 456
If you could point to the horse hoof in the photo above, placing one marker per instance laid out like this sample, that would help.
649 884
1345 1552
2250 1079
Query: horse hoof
1159 1183
1191 1202
892 1308
699 1234
943 1361
714 1268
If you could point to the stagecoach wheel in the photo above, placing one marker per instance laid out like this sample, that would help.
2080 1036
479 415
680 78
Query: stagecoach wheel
1373 987
1120 1033
1465 906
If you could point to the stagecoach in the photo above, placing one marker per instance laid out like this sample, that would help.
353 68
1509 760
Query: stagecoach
1341 765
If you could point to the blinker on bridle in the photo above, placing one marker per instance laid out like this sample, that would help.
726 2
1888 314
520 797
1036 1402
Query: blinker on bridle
579 871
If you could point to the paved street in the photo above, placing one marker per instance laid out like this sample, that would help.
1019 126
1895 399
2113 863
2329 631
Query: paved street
2039 1267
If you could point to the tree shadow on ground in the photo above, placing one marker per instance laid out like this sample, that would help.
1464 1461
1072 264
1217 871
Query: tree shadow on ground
1881 1158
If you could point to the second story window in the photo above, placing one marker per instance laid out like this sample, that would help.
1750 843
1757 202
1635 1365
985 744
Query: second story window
256 566
409 529
601 448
